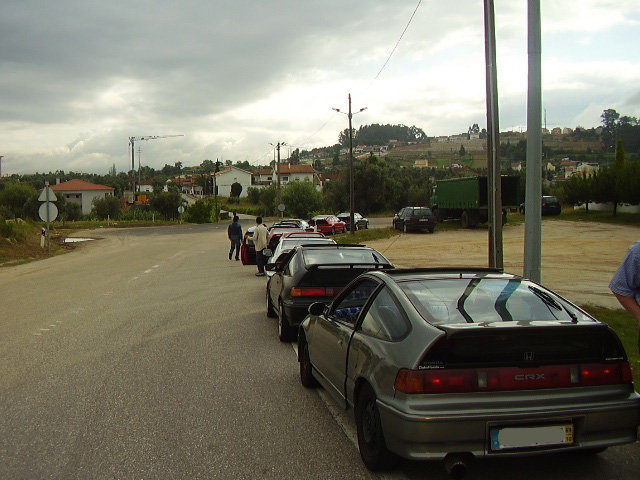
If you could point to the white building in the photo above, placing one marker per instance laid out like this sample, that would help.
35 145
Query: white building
81 192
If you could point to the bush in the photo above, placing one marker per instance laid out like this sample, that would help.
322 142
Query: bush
199 212
107 207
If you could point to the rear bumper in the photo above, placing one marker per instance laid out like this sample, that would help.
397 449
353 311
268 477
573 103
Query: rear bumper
432 435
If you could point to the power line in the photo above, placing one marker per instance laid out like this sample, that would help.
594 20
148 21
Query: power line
398 42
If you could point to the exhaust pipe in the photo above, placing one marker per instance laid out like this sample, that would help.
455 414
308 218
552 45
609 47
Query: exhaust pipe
456 464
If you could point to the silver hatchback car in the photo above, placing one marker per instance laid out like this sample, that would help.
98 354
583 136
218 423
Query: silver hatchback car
459 363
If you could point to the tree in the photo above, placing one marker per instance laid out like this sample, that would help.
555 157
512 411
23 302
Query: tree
577 190
610 128
462 152
301 198
166 203
15 196
199 212
236 189
107 207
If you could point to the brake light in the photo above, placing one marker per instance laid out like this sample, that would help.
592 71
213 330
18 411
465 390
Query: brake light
314 291
511 378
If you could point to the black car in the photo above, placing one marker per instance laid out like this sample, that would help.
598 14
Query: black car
550 206
412 219
312 273
358 220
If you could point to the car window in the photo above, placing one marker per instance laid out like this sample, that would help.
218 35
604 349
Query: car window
477 300
384 318
349 307
422 211
343 255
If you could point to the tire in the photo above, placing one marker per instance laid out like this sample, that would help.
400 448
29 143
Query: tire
431 229
306 372
464 220
366 226
333 230
271 313
371 444
285 332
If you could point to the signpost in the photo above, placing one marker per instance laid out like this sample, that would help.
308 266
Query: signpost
48 211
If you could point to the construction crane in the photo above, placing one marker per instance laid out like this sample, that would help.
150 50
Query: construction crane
132 141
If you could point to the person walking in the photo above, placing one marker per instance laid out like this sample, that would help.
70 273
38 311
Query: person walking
234 232
625 283
260 240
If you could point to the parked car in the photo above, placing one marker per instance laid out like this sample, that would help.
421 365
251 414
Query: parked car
459 363
550 206
276 231
306 274
247 248
358 220
328 224
294 222
293 239
411 219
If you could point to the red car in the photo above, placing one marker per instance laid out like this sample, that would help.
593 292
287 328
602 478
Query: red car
328 224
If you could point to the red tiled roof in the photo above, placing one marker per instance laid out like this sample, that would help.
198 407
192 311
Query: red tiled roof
77 184
302 168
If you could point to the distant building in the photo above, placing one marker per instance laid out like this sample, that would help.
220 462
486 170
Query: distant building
81 192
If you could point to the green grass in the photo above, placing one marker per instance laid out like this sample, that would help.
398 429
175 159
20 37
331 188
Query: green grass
364 236
631 219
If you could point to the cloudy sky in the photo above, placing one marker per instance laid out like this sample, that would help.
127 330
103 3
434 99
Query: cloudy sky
78 78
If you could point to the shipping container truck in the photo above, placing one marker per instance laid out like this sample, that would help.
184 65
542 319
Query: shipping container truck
467 198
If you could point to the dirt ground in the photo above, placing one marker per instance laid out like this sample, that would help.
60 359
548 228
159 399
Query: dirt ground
578 259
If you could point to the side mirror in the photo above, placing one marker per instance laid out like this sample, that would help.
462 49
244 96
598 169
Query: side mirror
317 308
267 252
271 267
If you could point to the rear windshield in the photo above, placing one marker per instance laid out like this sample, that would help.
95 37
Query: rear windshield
289 243
346 256
464 300
422 211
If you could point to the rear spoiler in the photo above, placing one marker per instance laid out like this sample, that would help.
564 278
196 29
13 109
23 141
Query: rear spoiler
317 266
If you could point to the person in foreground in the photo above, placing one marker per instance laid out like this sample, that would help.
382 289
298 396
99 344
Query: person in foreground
260 240
234 232
625 283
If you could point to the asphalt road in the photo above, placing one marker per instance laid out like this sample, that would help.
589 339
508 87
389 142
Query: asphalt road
147 354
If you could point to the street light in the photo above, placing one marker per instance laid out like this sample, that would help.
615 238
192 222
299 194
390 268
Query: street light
350 115
278 145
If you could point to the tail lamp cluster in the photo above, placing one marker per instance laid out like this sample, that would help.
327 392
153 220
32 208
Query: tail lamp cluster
512 378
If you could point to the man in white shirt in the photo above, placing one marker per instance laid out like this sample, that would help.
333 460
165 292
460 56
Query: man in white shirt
260 240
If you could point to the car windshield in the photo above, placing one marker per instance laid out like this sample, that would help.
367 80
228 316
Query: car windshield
343 255
475 300
288 244
421 211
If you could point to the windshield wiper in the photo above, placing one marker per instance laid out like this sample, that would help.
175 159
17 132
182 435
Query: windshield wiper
549 301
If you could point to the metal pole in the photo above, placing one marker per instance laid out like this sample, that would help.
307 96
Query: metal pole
351 200
533 203
46 188
493 141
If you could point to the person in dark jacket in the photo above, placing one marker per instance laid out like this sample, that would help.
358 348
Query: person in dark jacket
235 236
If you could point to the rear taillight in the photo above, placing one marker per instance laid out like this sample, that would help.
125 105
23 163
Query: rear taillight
314 291
512 378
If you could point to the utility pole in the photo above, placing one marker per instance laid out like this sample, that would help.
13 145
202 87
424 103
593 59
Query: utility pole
1 157
350 115
215 189
278 145
533 194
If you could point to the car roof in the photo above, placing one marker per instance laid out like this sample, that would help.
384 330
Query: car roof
403 274
303 234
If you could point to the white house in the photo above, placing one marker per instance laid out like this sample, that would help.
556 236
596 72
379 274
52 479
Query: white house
293 173
230 175
79 191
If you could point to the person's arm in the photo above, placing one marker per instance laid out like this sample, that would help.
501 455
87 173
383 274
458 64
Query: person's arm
629 304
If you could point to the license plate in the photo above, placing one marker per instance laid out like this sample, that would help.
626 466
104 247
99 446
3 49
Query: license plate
424 220
528 437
